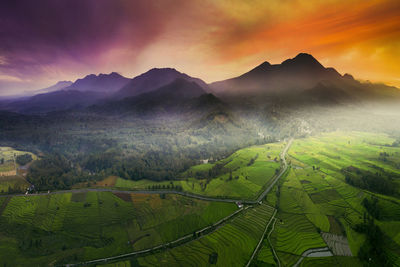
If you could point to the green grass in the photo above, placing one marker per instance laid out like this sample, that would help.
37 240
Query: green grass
17 183
325 184
295 234
265 254
7 153
314 197
10 180
234 243
63 228
247 181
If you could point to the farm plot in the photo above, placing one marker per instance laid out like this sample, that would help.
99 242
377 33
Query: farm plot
68 227
330 162
244 174
295 234
265 255
338 244
230 245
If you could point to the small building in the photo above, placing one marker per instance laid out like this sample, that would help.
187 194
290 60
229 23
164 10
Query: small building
239 204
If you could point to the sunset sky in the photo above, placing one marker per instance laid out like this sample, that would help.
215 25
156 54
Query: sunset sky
42 42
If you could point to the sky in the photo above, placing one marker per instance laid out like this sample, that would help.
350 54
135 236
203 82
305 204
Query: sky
42 42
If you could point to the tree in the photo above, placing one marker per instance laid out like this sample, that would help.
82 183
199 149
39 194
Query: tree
24 159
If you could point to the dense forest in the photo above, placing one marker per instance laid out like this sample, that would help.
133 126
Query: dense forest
85 144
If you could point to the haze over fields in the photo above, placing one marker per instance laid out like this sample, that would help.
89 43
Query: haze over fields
199 133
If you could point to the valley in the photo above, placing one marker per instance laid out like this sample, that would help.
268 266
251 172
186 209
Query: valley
314 205
199 133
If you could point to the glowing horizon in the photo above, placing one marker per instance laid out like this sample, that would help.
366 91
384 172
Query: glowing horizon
211 40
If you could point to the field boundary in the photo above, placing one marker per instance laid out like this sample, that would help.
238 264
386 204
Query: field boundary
175 243
261 239
270 244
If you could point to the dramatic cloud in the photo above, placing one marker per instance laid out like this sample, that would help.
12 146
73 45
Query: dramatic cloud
42 42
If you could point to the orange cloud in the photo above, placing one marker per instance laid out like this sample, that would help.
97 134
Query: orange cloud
361 37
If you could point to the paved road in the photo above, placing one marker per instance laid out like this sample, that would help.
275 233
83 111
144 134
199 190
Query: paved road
261 196
283 170
232 200
308 252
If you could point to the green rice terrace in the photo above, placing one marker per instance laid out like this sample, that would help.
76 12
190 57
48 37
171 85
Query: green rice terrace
337 204
242 175
58 228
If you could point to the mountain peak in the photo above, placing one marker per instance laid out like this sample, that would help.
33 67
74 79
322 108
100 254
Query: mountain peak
303 59
263 66
154 79
162 70
107 83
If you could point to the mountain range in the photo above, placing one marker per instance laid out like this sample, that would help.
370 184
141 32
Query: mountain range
300 80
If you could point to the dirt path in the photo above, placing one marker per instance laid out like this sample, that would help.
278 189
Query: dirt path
261 239
283 170
270 244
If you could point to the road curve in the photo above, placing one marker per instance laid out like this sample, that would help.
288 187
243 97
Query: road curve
311 251
200 197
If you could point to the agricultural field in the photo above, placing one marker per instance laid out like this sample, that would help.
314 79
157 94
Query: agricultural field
12 175
242 175
317 207
74 227
230 245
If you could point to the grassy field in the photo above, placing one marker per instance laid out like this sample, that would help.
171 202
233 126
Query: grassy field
52 229
314 197
230 245
12 179
244 174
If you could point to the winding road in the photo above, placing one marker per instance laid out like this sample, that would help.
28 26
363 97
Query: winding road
314 252
200 197
187 194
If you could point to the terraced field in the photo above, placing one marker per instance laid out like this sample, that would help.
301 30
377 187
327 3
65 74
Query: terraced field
244 175
58 228
230 245
314 197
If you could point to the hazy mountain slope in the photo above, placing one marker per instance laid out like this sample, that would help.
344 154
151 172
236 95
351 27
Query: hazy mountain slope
167 98
58 86
82 93
104 83
154 79
306 79
299 73
53 101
